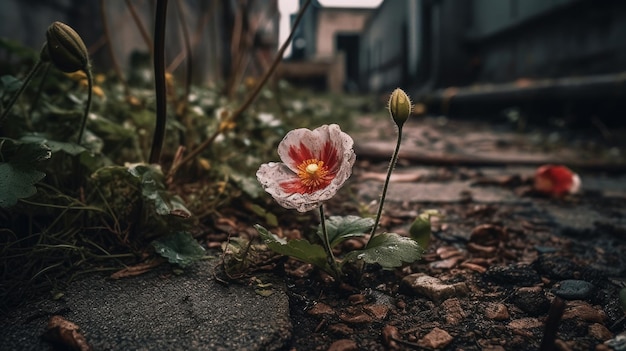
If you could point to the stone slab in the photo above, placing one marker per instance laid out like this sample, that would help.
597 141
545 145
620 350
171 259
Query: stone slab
439 192
158 311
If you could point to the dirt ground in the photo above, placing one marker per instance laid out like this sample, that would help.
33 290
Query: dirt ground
506 269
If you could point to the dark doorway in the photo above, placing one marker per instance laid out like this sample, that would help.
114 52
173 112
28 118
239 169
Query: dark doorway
349 44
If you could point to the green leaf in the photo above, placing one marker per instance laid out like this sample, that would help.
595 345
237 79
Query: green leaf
340 228
179 248
248 185
389 250
270 218
17 184
112 130
420 228
153 189
9 83
19 172
55 146
298 248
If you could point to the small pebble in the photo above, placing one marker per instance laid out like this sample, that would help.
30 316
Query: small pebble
379 312
435 339
497 311
573 289
600 332
357 299
488 235
473 267
343 345
340 329
320 309
433 288
358 318
582 311
531 300
525 323
390 336
453 311
545 249
556 267
618 343
447 263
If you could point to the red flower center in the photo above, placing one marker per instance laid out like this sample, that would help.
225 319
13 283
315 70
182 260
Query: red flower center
314 173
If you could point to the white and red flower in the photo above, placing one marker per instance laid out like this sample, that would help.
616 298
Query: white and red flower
315 165
556 180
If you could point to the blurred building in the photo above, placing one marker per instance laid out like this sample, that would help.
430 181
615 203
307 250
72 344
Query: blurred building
325 51
509 51
439 43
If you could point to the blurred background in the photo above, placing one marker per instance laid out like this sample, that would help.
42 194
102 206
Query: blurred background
455 57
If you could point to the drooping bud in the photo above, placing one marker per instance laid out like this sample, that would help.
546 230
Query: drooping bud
65 49
399 106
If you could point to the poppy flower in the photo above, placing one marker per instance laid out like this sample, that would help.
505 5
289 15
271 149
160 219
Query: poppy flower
556 180
315 164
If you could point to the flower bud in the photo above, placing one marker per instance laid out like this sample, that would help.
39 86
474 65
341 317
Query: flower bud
399 106
65 48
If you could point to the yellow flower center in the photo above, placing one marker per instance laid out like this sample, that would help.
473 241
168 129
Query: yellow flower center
312 168
313 174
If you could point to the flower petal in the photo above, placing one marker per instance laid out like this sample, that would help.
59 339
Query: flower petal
271 175
303 144
326 143
556 180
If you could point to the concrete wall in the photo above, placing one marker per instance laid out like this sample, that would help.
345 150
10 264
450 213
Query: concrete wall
429 44
332 21
385 44
552 39
490 17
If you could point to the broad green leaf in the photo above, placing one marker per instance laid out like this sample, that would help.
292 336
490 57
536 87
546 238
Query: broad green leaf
94 161
9 83
270 218
420 228
389 250
92 142
153 189
17 184
298 248
179 248
112 130
55 146
19 171
248 185
340 228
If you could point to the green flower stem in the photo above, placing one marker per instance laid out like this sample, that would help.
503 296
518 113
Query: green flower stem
17 94
330 257
87 106
159 82
392 164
